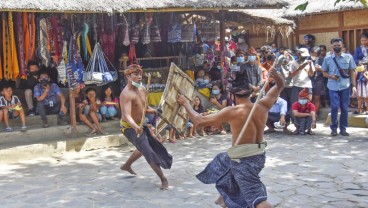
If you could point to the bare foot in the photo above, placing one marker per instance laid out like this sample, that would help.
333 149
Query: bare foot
220 202
129 169
164 185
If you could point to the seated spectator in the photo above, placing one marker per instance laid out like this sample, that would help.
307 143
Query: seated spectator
199 82
218 102
304 114
278 113
151 120
50 99
91 108
28 86
81 117
192 130
11 107
109 104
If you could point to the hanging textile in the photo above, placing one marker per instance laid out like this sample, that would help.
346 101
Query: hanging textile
11 67
126 41
107 38
75 76
44 43
62 77
29 26
20 44
155 32
56 39
84 36
146 37
187 32
174 33
132 54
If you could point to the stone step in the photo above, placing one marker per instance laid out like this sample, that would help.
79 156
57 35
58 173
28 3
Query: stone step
53 134
354 120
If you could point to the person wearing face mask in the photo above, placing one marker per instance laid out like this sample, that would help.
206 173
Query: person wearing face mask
300 71
339 68
28 85
318 80
253 72
50 99
242 43
133 102
304 114
218 102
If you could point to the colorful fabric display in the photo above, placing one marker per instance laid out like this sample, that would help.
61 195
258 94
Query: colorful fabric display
11 67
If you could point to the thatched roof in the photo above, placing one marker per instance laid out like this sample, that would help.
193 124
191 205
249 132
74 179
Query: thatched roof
265 16
110 6
319 6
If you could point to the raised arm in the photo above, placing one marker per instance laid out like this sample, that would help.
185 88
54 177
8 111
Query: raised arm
275 91
210 120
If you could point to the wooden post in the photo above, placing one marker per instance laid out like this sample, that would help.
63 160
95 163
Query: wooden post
73 117
222 33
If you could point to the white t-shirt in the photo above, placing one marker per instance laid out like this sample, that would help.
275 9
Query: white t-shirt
301 79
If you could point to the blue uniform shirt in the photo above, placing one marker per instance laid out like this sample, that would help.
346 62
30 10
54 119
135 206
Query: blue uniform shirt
345 61
51 95
279 107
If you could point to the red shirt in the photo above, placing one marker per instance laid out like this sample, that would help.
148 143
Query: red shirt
307 108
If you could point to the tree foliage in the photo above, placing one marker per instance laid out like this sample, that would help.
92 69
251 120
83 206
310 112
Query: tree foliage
303 7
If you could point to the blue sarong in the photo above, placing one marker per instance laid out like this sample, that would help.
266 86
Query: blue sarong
238 182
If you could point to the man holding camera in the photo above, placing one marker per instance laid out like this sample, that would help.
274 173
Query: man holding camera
339 68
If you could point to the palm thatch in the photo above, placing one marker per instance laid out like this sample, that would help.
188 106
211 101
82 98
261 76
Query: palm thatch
319 6
119 6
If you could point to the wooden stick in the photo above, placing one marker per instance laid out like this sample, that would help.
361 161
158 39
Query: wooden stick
251 113
146 104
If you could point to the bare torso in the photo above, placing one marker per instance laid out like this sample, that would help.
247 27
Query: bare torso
238 117
136 98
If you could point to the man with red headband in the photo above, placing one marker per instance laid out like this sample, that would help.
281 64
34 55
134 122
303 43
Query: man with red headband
304 114
134 98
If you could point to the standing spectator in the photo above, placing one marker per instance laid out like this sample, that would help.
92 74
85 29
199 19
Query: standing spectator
301 71
11 107
362 90
339 68
274 49
283 65
304 114
253 72
318 80
109 104
278 113
197 106
91 108
28 85
361 52
50 99
309 41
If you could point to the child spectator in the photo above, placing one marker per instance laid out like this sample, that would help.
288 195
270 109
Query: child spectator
91 108
109 104
362 89
11 107
304 113
197 106
79 103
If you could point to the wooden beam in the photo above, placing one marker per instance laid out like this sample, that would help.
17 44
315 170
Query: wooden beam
341 23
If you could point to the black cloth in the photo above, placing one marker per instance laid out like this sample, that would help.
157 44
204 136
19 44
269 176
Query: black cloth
151 149
252 72
28 83
45 110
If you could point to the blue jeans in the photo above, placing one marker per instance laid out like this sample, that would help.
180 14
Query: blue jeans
339 99
108 111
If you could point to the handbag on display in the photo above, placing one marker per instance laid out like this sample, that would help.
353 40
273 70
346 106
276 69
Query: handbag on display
97 71
75 76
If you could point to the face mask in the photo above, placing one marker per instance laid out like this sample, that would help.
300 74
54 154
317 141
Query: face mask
206 81
215 92
44 82
296 57
34 73
337 49
136 84
240 59
303 101
252 58
274 50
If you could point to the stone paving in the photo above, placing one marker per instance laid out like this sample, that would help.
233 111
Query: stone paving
301 171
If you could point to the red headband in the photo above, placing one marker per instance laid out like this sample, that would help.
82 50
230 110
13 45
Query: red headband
132 69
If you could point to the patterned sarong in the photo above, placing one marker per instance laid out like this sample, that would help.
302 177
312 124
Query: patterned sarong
238 182
152 150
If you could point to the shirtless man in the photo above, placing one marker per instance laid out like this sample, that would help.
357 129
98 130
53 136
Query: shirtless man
236 172
133 98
